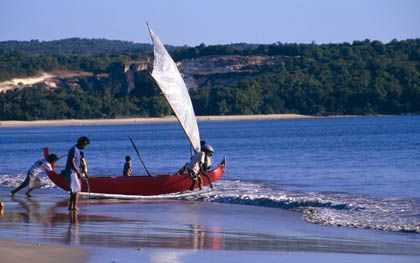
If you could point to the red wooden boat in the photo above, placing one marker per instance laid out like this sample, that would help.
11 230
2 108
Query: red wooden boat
137 185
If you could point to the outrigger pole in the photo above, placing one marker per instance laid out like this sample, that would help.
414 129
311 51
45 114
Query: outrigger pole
138 154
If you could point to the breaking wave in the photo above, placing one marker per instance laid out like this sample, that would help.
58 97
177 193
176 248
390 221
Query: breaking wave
16 179
334 209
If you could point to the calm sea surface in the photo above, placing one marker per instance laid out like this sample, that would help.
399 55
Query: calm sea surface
357 172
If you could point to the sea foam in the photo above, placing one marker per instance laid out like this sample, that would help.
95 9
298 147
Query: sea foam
335 209
15 180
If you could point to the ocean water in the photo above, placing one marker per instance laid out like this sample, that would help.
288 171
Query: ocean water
354 172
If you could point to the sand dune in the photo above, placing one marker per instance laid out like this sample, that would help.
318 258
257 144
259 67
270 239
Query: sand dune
48 78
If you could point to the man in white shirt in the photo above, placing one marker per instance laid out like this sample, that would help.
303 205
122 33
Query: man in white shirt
32 178
199 164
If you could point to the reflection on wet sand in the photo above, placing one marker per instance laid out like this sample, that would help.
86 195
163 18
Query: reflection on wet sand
73 232
30 211
83 228
110 223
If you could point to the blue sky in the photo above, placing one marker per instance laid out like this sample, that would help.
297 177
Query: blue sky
191 22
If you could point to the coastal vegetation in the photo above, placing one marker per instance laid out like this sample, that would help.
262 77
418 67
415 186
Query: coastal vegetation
363 77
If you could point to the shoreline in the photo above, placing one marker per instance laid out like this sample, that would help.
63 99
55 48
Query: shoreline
120 121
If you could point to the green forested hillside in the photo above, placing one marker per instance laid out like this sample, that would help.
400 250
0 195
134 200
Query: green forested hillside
74 46
364 77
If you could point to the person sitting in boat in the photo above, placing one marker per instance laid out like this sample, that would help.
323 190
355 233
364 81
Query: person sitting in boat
197 166
73 172
127 166
32 178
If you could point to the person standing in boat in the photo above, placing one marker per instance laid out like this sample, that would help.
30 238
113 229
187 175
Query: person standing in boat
127 166
73 172
208 150
199 164
32 178
207 159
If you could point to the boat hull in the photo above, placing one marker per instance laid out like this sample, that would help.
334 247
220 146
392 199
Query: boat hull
137 185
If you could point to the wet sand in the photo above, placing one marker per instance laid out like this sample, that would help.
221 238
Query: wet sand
145 120
187 231
12 251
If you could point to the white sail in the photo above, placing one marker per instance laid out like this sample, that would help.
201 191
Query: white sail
169 80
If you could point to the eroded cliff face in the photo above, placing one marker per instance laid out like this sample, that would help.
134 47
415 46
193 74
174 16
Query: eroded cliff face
221 70
214 70
197 72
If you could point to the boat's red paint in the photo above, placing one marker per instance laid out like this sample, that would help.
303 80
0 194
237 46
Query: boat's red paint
137 185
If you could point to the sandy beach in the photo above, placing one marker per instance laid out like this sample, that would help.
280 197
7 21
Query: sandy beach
183 231
147 120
